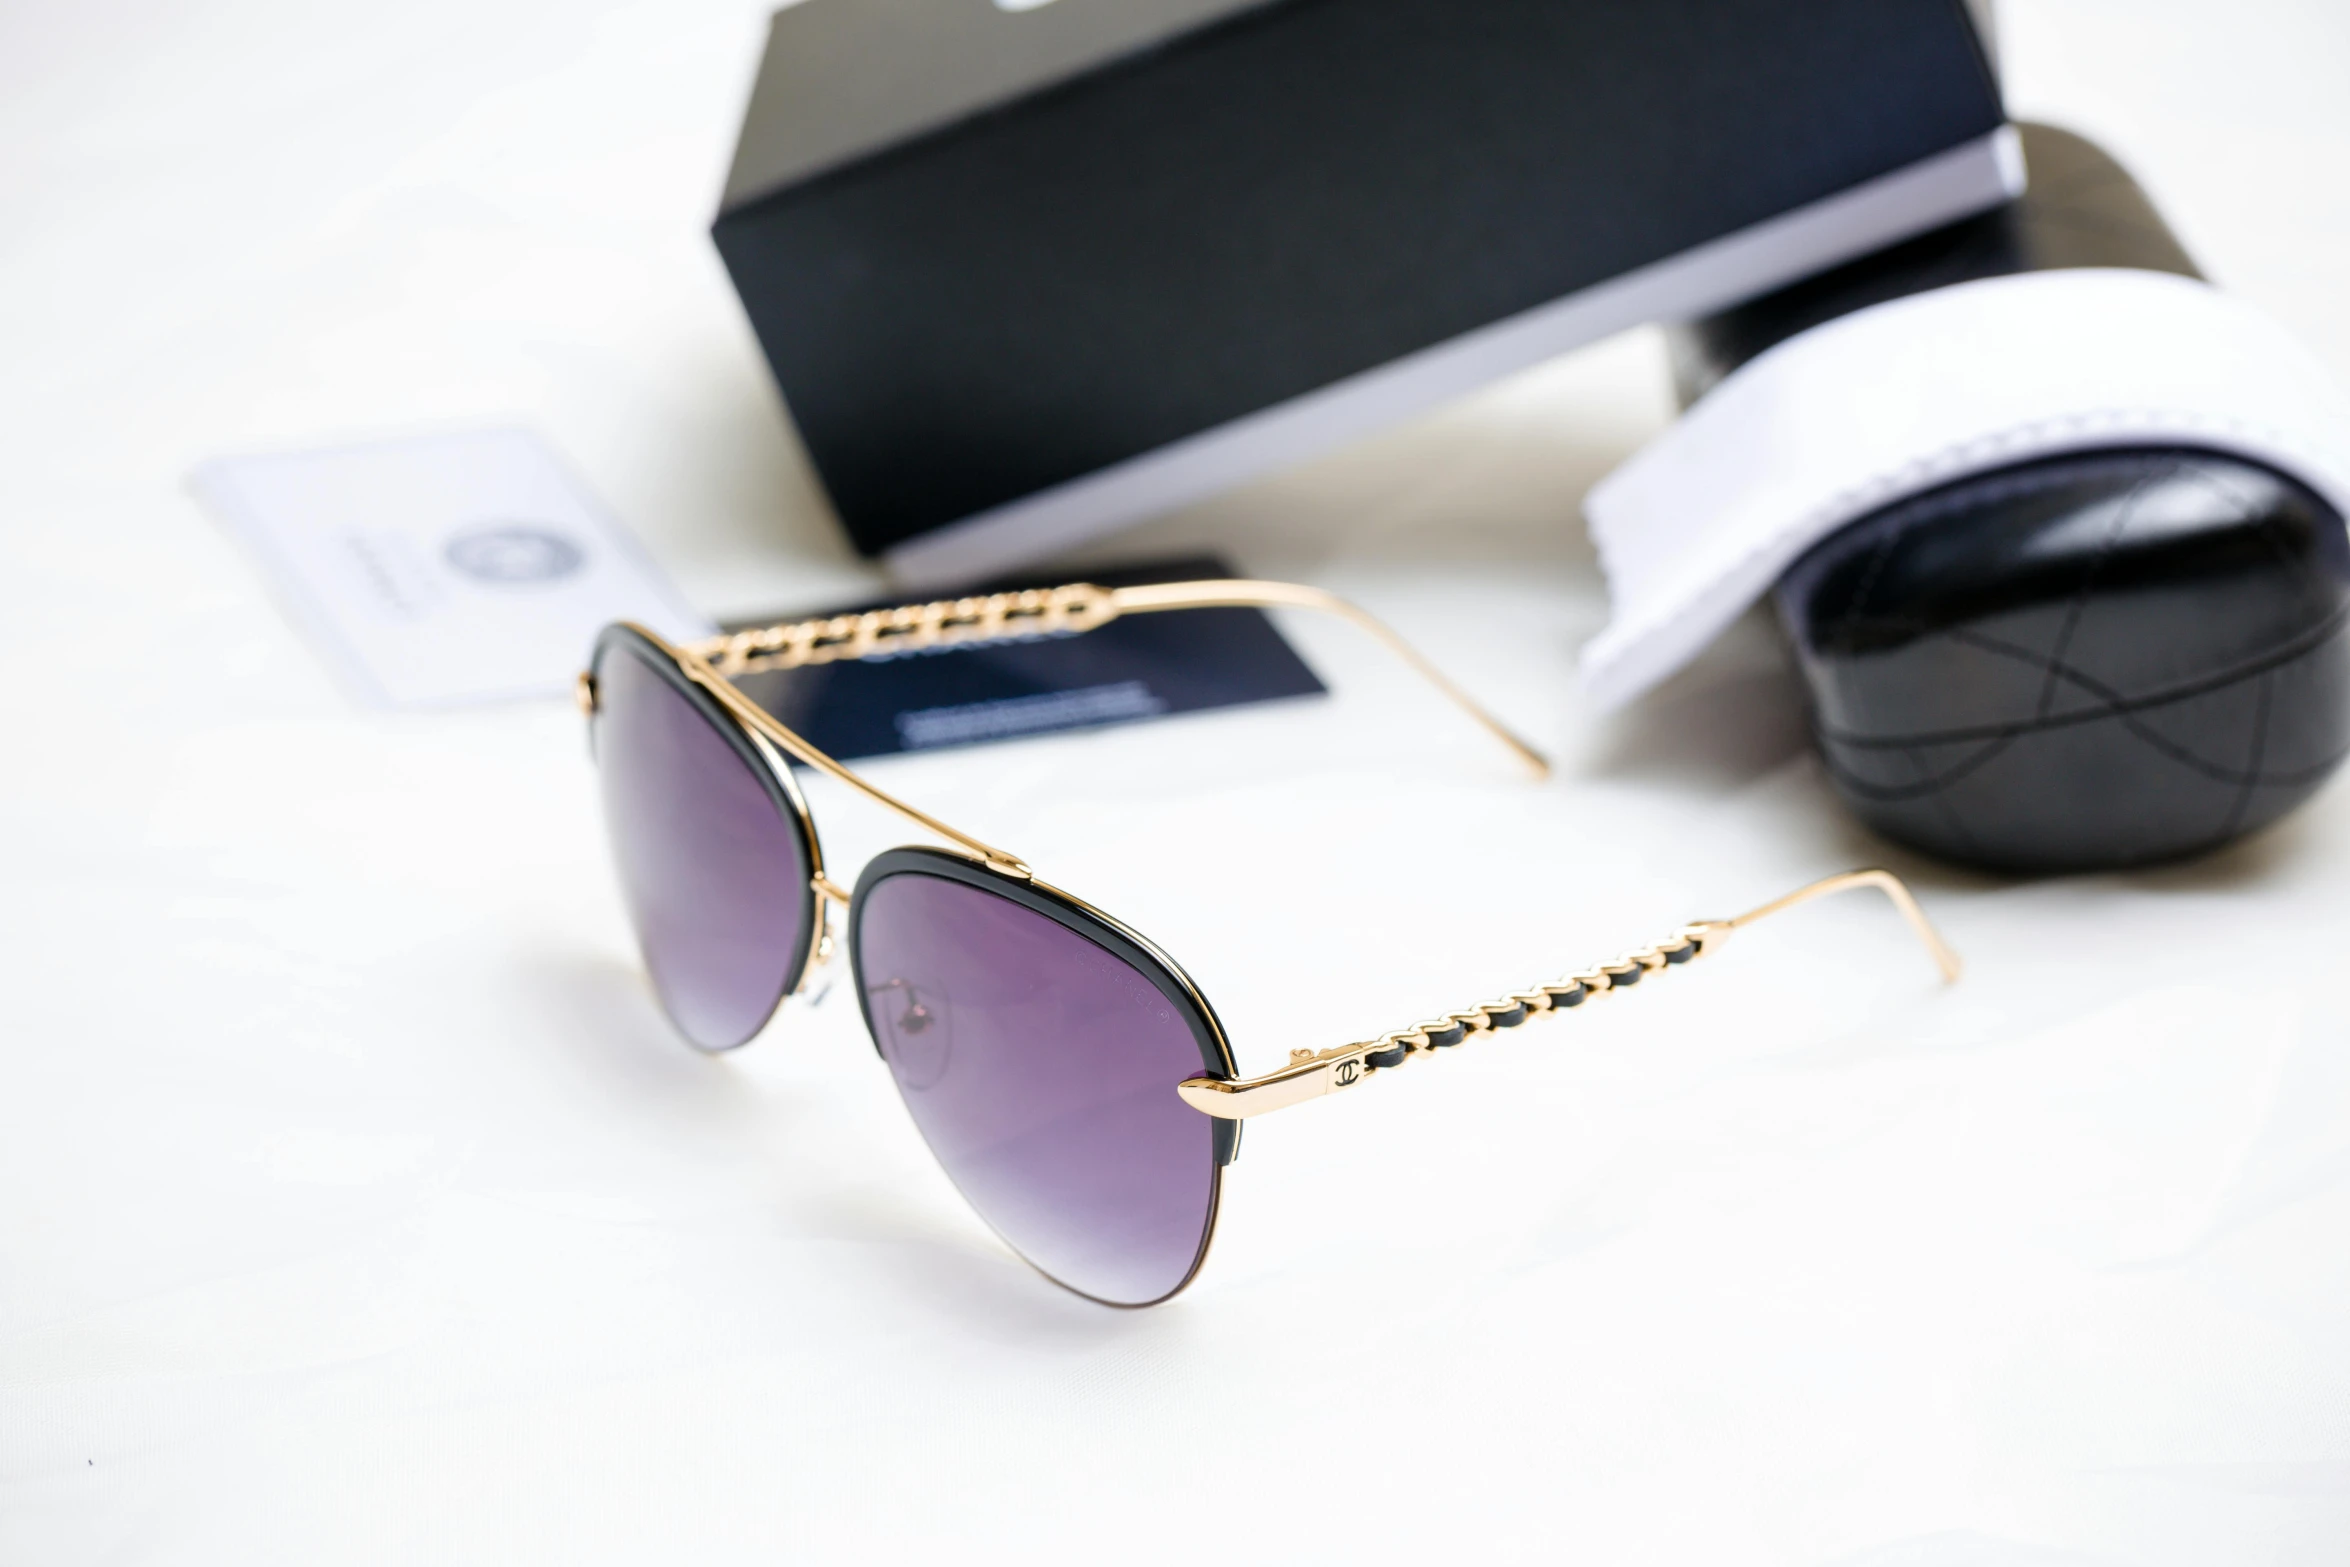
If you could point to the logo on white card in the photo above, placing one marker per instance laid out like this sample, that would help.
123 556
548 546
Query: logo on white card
513 555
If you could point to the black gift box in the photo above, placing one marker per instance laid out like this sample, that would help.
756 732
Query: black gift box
1027 275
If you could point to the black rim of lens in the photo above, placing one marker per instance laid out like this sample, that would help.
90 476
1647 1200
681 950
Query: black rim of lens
1122 943
628 642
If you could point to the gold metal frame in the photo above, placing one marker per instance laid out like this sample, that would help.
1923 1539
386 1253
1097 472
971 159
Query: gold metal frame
1080 607
1063 611
1036 612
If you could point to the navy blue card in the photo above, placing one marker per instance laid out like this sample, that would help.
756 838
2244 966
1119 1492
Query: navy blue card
1136 667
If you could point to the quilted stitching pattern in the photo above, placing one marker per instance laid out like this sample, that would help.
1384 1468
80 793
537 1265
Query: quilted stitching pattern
2086 662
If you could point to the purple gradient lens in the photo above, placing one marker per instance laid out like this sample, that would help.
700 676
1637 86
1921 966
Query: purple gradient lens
715 874
1041 1068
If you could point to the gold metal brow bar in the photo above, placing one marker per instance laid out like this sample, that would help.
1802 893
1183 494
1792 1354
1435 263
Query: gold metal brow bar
1064 611
1311 1074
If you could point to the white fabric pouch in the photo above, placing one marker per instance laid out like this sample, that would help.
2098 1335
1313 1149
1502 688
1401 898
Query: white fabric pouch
1901 397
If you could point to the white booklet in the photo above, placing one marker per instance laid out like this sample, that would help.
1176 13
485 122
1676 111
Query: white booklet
440 570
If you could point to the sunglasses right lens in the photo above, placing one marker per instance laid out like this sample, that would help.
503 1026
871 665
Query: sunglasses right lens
1041 1068
712 862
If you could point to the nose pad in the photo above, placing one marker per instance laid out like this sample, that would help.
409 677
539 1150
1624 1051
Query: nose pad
816 984
915 1026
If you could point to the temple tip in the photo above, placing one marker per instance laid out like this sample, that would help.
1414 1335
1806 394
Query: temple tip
1891 886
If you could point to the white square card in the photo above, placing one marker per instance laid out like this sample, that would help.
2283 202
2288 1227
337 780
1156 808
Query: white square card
441 570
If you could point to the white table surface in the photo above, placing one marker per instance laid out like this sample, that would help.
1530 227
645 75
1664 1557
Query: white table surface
355 1205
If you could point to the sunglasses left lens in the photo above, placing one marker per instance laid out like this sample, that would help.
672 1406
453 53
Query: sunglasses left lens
1041 1068
712 859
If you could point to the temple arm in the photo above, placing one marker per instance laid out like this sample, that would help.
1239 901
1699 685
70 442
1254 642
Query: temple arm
1310 1075
1063 611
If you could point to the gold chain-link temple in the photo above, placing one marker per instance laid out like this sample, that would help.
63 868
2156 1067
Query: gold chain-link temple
911 628
1049 612
713 662
1311 1074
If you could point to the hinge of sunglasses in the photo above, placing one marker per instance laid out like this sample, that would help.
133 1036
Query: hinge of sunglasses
1312 1074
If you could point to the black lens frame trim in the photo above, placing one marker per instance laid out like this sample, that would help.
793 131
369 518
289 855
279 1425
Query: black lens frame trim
774 778
1127 945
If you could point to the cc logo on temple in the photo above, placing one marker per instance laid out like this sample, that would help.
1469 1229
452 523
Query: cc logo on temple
1348 1071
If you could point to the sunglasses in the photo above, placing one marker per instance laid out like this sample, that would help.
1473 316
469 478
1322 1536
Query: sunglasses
1069 1076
